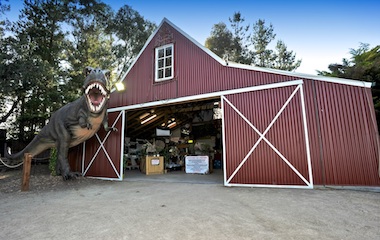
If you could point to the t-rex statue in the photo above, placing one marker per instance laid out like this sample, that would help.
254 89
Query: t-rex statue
74 123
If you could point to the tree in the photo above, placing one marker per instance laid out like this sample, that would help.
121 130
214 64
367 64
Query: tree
8 75
89 46
4 57
3 8
241 46
284 59
363 65
43 56
131 31
39 37
239 43
221 41
261 37
230 44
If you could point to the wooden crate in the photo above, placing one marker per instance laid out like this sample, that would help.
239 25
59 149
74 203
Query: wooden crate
153 165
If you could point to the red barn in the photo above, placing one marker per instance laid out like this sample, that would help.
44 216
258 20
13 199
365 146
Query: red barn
275 128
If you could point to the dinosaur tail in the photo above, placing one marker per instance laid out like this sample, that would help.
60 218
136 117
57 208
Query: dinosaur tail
35 147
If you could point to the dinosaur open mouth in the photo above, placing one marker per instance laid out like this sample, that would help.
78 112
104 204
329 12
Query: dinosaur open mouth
96 96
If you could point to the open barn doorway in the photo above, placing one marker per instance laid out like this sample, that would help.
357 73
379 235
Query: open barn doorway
177 142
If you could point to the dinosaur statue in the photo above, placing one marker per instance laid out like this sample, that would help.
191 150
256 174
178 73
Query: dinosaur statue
74 123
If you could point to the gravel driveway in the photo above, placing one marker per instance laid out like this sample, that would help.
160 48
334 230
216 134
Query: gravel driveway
95 209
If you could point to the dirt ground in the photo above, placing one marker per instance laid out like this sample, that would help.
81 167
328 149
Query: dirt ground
96 209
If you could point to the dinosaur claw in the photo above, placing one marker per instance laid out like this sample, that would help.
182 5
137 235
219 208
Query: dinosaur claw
71 175
113 129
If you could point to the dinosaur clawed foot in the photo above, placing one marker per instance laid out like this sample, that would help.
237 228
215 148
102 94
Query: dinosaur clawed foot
71 175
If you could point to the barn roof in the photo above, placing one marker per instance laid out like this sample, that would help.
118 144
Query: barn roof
225 63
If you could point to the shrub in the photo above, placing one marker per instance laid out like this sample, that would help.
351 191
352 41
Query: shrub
53 162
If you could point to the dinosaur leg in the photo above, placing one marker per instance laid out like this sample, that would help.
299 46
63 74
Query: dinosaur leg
57 168
63 163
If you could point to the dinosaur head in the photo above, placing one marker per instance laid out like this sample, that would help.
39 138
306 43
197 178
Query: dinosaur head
95 89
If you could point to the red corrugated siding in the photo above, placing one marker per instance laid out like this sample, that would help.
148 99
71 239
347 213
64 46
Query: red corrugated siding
196 72
75 158
313 124
342 134
349 146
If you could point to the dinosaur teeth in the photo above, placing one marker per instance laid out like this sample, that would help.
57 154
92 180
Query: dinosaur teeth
98 104
98 86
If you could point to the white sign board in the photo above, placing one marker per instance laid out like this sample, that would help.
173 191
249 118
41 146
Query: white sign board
162 132
155 161
197 164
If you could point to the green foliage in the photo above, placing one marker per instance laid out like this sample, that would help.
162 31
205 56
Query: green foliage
53 162
239 49
363 65
239 45
4 7
132 31
261 37
221 41
284 59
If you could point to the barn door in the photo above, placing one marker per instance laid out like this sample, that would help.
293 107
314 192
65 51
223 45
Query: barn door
103 155
265 137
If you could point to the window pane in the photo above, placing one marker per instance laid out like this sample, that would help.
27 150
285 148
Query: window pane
161 53
160 63
168 72
169 51
168 62
160 73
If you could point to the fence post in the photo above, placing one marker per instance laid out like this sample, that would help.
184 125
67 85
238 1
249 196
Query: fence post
26 172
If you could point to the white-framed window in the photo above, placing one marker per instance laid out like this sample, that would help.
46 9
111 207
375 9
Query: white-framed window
164 62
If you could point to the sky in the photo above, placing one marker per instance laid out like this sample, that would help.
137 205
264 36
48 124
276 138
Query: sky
319 32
